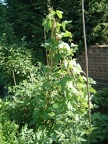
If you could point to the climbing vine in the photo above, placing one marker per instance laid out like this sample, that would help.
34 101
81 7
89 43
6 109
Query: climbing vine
64 103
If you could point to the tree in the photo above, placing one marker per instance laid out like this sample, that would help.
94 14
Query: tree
26 18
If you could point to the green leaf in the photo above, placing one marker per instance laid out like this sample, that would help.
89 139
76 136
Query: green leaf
70 107
55 106
85 91
92 90
47 24
51 115
66 63
67 34
59 13
64 23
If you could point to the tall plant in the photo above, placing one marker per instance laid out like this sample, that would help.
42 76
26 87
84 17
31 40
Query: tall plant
60 113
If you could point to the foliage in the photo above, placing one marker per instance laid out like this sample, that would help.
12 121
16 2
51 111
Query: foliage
6 27
62 112
8 129
24 18
97 24
100 115
96 16
16 62
27 17
24 96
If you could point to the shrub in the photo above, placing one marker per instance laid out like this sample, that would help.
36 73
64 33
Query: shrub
23 97
16 63
8 129
100 116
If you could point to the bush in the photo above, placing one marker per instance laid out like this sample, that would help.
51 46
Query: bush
8 129
100 116
16 62
23 97
10 132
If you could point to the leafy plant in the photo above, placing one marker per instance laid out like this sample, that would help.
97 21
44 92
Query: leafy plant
16 63
8 129
24 96
100 116
61 108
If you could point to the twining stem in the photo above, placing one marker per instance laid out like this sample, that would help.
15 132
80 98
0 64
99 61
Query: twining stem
46 50
14 78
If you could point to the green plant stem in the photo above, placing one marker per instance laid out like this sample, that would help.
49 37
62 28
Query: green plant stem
14 78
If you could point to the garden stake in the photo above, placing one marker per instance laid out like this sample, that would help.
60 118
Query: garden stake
86 58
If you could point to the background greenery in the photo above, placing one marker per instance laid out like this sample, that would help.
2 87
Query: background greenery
20 19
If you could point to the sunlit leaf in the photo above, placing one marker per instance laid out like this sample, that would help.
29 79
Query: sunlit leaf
64 23
59 13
